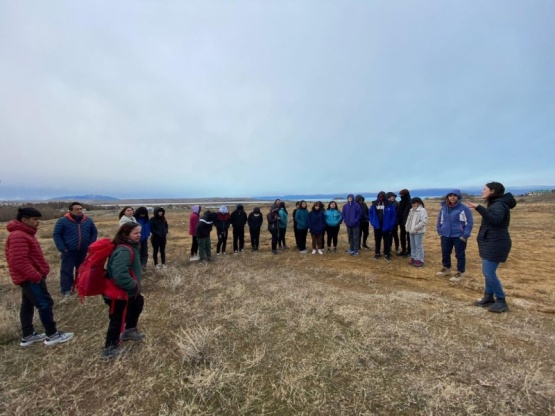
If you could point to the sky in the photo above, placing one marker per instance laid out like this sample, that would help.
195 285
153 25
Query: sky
248 98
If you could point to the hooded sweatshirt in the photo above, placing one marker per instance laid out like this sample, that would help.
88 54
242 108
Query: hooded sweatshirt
255 219
193 219
382 213
352 212
222 219
238 218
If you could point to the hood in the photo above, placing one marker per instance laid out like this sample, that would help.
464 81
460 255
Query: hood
508 199
381 196
239 207
359 198
15 225
223 210
390 194
456 192
256 210
352 196
195 209
158 210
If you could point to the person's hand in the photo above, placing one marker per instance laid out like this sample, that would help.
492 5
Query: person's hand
471 204
463 239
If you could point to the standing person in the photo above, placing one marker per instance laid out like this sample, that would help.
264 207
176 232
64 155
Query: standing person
273 221
28 269
352 214
126 215
193 221
416 227
124 267
333 222
403 214
317 227
203 230
364 223
222 228
144 222
382 217
395 231
295 230
454 225
282 225
301 218
73 234
159 230
255 220
494 241
238 221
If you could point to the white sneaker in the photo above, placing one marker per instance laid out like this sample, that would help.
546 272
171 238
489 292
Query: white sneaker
31 339
158 267
66 297
457 277
303 251
194 258
164 266
313 251
58 338
320 251
444 272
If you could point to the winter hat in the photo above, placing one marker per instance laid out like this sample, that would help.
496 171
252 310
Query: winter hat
223 209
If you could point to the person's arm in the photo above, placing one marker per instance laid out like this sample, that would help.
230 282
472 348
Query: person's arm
17 255
121 265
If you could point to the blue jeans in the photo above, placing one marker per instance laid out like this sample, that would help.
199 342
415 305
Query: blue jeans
493 284
71 260
416 246
35 295
447 244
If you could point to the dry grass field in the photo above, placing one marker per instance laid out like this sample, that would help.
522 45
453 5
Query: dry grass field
259 334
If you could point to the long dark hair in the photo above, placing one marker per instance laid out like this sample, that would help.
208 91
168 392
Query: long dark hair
498 191
141 211
122 212
122 236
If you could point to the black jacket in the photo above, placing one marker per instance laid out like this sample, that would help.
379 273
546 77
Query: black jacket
255 219
494 241
238 218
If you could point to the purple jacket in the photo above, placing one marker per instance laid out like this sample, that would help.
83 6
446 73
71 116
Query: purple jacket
352 213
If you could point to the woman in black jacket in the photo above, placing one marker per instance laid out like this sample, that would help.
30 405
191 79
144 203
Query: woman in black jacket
494 241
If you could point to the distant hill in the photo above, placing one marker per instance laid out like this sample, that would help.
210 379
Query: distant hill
84 198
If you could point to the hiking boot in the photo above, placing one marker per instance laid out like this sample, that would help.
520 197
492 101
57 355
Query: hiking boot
31 339
499 306
445 271
412 261
486 301
418 263
320 251
111 352
132 334
457 277
58 338
387 258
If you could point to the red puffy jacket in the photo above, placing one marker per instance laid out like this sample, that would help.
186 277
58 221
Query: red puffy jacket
24 255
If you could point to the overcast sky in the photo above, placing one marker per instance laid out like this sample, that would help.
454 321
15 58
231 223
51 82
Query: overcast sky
250 98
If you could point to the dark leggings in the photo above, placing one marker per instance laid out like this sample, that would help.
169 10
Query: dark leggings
302 239
158 243
134 309
255 237
405 240
274 239
238 239
222 241
332 233
143 249
364 231
194 246
281 237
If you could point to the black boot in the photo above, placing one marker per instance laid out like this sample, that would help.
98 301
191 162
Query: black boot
486 301
499 306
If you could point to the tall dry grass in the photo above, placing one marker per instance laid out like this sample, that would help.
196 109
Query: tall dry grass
291 334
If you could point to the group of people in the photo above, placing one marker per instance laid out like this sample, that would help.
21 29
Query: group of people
74 232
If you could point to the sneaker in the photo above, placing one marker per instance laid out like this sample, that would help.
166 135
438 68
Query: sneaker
132 334
235 252
445 271
377 256
418 263
457 277
275 252
194 258
31 339
366 246
335 249
111 352
58 338
349 252
303 251
320 251
354 253
329 250
158 267
164 266
402 253
313 251
387 258
412 261
217 254
66 297
242 251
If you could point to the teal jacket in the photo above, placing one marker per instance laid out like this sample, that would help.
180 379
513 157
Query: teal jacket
333 217
119 265
283 219
301 218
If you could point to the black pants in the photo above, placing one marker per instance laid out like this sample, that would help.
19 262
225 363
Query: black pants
143 249
194 246
35 295
386 236
238 239
255 237
296 233
332 233
134 309
274 233
405 240
158 244
395 237
281 237
364 231
222 241
302 239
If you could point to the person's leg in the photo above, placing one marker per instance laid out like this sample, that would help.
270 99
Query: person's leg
334 234
403 236
256 234
134 310
302 239
350 237
144 253
208 248
320 241
377 241
220 241
163 242
241 233
194 246
365 227
313 241
67 268
274 239
224 243
155 248
115 316
284 233
413 255
395 237
493 284
356 238
446 250
202 248
27 310
235 240
460 254
418 246
386 243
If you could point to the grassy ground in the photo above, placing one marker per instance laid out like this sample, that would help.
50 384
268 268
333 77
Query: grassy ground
299 334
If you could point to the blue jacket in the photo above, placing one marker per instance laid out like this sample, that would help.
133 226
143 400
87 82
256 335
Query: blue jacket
333 217
301 218
74 234
145 227
456 221
389 216
317 222
352 213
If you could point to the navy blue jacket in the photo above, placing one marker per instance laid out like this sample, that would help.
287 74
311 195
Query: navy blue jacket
317 222
74 233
